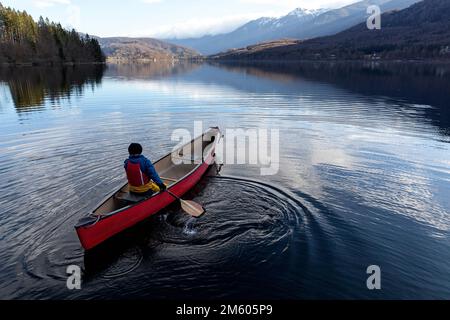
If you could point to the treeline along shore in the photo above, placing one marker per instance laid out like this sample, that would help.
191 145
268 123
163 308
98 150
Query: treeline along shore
25 41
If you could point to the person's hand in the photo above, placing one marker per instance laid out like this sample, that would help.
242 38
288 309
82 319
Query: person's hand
162 187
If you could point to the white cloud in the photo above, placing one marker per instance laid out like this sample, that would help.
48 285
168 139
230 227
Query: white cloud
302 3
49 3
73 17
197 27
205 26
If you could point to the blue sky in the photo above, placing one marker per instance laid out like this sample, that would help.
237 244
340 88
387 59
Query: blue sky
161 18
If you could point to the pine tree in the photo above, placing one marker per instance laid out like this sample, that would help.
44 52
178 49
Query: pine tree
24 40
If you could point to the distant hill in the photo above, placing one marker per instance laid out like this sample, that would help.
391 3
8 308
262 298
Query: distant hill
122 49
299 24
255 49
421 31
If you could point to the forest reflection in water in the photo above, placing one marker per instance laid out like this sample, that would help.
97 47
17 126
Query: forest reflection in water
31 87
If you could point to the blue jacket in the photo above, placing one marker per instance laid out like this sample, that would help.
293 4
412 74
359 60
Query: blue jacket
146 167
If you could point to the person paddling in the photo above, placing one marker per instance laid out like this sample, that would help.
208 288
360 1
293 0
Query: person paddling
142 177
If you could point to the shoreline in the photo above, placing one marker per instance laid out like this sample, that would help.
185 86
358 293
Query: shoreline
445 61
225 61
47 64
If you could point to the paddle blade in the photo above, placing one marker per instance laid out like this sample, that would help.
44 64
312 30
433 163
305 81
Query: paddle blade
192 208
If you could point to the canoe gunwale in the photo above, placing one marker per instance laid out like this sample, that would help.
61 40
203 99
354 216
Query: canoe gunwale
94 219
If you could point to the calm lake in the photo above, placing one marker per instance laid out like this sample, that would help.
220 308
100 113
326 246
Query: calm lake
364 180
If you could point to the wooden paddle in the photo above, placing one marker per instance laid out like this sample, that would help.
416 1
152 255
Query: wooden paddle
190 207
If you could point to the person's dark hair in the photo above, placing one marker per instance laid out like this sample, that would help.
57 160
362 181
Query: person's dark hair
135 148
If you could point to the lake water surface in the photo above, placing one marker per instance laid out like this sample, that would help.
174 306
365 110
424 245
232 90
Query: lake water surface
364 180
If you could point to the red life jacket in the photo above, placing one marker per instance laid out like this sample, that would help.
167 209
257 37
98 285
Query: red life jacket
136 177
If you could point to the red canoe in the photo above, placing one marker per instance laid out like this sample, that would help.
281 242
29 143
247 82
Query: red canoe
121 210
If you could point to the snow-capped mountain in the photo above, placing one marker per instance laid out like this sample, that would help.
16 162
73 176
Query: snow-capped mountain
292 19
300 12
262 29
266 25
297 24
421 31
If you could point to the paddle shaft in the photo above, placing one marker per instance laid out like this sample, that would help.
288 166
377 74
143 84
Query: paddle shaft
179 199
173 195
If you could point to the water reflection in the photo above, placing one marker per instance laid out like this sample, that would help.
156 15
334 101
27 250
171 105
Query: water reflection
31 87
150 70
364 178
422 84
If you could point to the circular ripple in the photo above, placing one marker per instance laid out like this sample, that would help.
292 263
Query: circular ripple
256 217
247 225
125 264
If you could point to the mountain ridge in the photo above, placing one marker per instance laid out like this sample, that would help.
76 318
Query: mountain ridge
421 31
298 24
